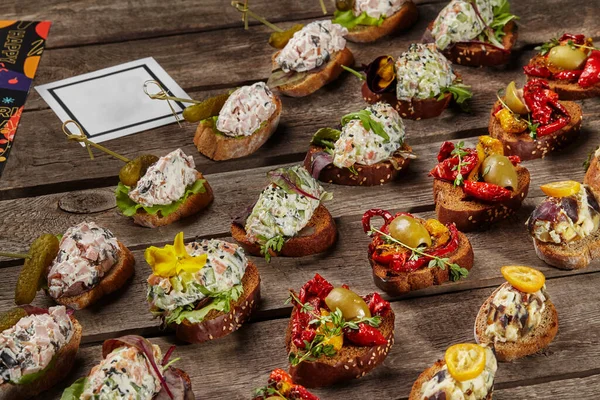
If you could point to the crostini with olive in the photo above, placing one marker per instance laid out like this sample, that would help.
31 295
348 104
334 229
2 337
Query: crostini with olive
475 187
409 253
335 335
570 64
531 122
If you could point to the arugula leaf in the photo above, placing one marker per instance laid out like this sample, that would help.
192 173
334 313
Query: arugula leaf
221 302
366 118
326 137
461 94
129 207
349 21
74 391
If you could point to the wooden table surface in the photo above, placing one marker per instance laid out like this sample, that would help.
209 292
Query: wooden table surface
202 45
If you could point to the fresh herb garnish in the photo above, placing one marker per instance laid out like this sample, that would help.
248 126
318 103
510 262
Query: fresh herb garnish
461 94
366 118
275 243
495 31
546 47
268 391
353 169
456 271
460 152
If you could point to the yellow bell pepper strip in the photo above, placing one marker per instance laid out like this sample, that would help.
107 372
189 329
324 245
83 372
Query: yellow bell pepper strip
174 259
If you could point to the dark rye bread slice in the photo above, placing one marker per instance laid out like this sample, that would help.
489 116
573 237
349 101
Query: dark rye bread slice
479 55
427 375
192 205
65 358
220 147
567 90
414 109
401 20
317 236
575 255
397 283
351 362
536 340
453 205
321 77
112 281
218 324
368 175
524 146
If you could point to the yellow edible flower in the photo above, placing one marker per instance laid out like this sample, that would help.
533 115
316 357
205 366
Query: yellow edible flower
173 259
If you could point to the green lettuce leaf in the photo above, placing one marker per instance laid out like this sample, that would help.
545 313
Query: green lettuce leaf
129 207
349 21
220 302
74 391
326 137
29 378
368 123
461 93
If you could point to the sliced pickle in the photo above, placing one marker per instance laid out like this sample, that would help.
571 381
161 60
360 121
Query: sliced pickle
278 40
9 318
131 172
208 108
42 252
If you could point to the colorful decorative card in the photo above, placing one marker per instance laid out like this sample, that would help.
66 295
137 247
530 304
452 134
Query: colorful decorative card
111 103
21 46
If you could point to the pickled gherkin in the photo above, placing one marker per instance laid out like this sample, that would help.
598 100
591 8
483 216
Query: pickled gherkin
33 274
9 318
278 40
208 108
131 173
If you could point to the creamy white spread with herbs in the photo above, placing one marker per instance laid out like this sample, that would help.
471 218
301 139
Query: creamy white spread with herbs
513 314
125 374
474 389
459 22
312 46
563 229
29 346
225 266
279 213
422 73
86 253
358 145
246 110
166 180
377 8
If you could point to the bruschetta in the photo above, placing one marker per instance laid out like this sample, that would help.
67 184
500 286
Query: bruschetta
203 290
281 387
474 187
409 253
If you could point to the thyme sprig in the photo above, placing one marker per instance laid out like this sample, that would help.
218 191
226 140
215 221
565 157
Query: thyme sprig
545 48
460 152
268 391
456 271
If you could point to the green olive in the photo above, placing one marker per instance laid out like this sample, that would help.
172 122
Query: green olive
566 57
513 99
344 5
351 304
409 231
498 169
131 172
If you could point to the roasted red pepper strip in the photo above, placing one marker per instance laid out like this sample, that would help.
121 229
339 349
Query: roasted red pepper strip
377 305
279 376
317 286
515 160
301 393
544 104
568 75
445 151
591 71
366 335
282 382
486 191
552 126
301 331
537 71
577 39
447 169
366 219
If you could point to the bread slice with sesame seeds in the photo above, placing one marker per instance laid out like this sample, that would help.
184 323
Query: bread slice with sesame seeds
453 205
367 175
351 362
525 147
217 323
414 109
402 19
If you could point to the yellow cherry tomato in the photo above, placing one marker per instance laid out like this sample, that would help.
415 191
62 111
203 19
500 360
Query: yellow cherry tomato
509 123
491 145
525 279
561 189
336 341
465 361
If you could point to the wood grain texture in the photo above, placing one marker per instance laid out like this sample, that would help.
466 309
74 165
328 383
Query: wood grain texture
235 365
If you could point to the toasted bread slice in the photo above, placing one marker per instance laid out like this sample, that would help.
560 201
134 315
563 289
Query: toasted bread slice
319 234
524 146
368 175
351 362
426 376
112 281
192 205
479 55
452 205
402 19
219 147
65 358
575 255
534 341
592 175
414 109
397 283
319 78
567 90
219 324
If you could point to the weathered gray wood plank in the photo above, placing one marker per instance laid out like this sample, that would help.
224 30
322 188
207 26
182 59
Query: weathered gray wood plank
579 388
